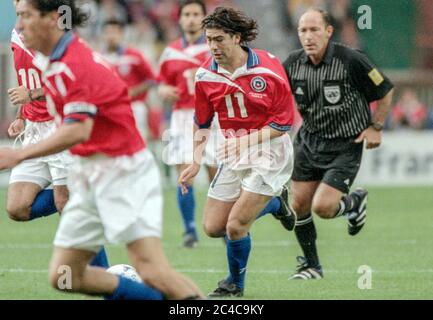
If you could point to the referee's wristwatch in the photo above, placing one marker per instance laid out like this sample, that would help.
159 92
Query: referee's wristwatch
377 126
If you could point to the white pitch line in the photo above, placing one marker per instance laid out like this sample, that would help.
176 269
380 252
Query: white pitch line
223 271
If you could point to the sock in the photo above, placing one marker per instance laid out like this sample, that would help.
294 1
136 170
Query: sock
43 205
347 203
132 290
186 204
306 234
238 252
100 260
272 207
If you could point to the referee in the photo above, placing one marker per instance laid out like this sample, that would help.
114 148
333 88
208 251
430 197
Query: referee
333 86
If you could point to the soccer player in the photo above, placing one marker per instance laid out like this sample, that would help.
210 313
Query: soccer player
333 86
114 187
178 65
251 94
28 197
132 67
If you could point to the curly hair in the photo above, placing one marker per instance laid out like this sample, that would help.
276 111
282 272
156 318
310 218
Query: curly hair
233 22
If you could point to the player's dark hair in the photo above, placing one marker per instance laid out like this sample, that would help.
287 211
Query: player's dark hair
78 16
233 22
114 22
327 19
184 3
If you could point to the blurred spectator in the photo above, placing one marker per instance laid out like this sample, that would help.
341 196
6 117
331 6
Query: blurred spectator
409 112
110 10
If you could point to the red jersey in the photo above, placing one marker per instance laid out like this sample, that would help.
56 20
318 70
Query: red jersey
254 96
133 68
178 65
30 77
79 84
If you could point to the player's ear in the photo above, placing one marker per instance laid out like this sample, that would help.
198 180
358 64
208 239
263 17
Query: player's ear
329 31
237 38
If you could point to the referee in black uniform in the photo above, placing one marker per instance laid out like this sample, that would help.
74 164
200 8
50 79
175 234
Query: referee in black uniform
333 86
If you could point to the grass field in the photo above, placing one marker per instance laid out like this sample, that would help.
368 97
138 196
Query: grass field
397 243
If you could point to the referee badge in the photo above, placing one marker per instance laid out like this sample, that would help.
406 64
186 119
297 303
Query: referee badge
332 94
258 84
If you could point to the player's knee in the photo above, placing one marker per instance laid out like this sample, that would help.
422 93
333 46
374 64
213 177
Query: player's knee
212 230
302 208
235 229
18 212
324 209
60 200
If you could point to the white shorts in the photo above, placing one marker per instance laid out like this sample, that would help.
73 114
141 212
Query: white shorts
139 109
114 200
267 176
180 146
43 171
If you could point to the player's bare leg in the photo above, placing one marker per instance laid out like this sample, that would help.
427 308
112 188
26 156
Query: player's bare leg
242 215
20 198
61 196
153 267
215 217
186 204
211 172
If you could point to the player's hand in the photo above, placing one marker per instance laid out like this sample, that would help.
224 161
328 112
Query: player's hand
168 93
16 128
9 158
187 175
373 137
19 95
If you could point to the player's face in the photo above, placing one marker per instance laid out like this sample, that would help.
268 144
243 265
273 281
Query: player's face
222 45
313 33
33 26
113 36
191 18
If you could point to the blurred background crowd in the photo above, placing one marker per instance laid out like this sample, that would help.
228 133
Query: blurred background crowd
400 41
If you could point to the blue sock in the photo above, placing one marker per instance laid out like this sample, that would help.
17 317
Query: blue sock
237 255
132 290
272 207
186 204
100 260
43 205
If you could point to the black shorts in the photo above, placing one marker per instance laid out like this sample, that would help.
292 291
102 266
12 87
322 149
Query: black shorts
335 162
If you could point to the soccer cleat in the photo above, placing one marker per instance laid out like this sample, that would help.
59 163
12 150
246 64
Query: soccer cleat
286 215
356 218
226 290
189 240
306 272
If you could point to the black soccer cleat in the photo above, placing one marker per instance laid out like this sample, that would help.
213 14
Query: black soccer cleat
286 214
306 272
357 217
226 290
190 240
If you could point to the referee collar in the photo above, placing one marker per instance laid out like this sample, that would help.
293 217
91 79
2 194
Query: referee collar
327 58
253 60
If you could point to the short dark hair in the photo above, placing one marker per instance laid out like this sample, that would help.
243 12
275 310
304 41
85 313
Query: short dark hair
114 22
79 17
184 3
233 22
327 19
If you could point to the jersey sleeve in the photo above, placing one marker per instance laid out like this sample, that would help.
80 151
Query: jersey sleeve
367 78
78 104
204 112
281 111
164 74
146 71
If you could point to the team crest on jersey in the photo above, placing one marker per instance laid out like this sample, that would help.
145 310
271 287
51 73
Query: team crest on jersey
258 84
332 94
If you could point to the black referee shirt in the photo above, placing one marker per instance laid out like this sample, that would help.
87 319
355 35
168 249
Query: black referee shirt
333 97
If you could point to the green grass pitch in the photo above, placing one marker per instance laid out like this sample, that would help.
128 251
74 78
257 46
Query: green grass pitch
397 243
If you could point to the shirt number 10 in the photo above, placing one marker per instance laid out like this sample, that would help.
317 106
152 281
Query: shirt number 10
229 103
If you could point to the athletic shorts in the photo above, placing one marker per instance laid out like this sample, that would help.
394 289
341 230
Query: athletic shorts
265 174
112 200
335 162
43 171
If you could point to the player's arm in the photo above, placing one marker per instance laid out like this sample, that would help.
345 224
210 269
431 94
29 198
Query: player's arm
22 95
146 72
66 136
140 88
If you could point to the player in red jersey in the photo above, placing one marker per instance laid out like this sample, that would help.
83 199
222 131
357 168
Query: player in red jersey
114 186
132 67
250 92
178 65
